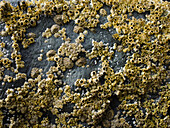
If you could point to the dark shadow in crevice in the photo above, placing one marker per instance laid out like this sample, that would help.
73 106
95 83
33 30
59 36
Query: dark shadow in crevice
114 103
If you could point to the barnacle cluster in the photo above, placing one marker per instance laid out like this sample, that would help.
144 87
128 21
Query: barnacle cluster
141 86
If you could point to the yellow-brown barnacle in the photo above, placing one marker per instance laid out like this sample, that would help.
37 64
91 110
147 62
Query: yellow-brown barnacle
21 23
13 55
33 23
110 54
95 80
78 29
144 78
124 9
66 18
140 10
18 58
85 85
99 94
84 81
8 28
132 60
81 81
54 8
23 4
50 53
31 35
58 19
5 61
19 97
1 55
51 76
55 28
116 36
60 90
140 60
103 58
81 62
103 26
97 6
125 50
86 15
23 30
136 7
93 73
93 13
56 58
78 21
56 81
37 17
2 45
103 12
76 13
80 38
110 18
77 82
99 88
59 8
104 69
150 32
65 7
78 6
18 23
67 88
68 63
89 81
136 50
31 40
119 11
25 43
70 12
119 48
9 79
63 68
109 24
49 12
125 30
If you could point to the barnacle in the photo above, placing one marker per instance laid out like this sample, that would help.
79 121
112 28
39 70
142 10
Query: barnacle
103 12
58 19
31 40
35 72
6 62
78 29
80 38
2 44
55 28
31 35
32 22
68 63
47 33
81 62
50 53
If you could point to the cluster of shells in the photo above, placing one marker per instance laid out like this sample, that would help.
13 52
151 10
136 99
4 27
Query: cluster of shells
141 86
